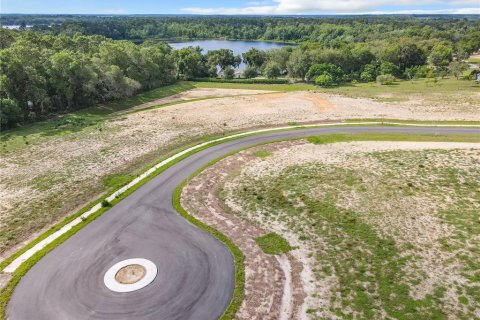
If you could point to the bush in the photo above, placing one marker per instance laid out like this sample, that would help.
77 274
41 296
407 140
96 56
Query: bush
106 203
367 76
385 79
334 71
324 80
250 72
10 113
388 68
369 73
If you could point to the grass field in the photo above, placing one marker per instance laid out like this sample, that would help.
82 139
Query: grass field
394 233
440 90
247 86
374 136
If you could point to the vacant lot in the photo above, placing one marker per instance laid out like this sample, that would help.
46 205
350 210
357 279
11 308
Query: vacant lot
50 169
383 229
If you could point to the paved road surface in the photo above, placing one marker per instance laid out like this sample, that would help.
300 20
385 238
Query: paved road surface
195 272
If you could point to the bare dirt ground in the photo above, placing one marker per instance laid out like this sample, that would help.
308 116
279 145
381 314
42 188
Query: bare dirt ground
197 93
42 182
273 288
417 219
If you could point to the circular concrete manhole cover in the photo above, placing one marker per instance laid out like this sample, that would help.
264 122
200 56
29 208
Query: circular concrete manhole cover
130 275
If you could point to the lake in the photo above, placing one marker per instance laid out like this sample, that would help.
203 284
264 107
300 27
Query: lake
237 46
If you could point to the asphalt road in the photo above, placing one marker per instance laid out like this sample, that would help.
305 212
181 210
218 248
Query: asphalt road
195 271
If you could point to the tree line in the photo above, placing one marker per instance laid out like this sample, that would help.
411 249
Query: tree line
45 74
360 62
334 31
61 67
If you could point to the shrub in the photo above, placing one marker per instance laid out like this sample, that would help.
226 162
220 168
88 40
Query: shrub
388 68
369 73
385 79
334 71
324 80
106 203
10 113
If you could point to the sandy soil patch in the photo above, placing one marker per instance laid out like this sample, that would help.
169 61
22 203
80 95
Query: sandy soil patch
197 93
412 221
273 287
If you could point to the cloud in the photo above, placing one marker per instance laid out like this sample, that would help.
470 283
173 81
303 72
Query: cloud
115 11
258 3
337 6
440 11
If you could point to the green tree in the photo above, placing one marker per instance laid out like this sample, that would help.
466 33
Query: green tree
254 57
271 70
250 72
369 73
190 63
389 68
457 68
361 56
298 64
222 57
228 73
441 55
404 54
280 56
10 113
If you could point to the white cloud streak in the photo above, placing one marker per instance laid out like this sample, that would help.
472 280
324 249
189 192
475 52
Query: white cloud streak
340 6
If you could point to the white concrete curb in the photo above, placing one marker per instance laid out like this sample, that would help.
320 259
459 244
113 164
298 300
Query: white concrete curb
39 246
112 284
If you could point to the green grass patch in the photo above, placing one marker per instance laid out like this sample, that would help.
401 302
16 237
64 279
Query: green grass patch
443 123
474 60
249 86
115 181
402 90
377 136
262 153
273 243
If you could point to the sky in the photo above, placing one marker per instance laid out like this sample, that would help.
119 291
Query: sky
236 7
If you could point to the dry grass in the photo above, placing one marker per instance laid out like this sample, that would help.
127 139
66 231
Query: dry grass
392 226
